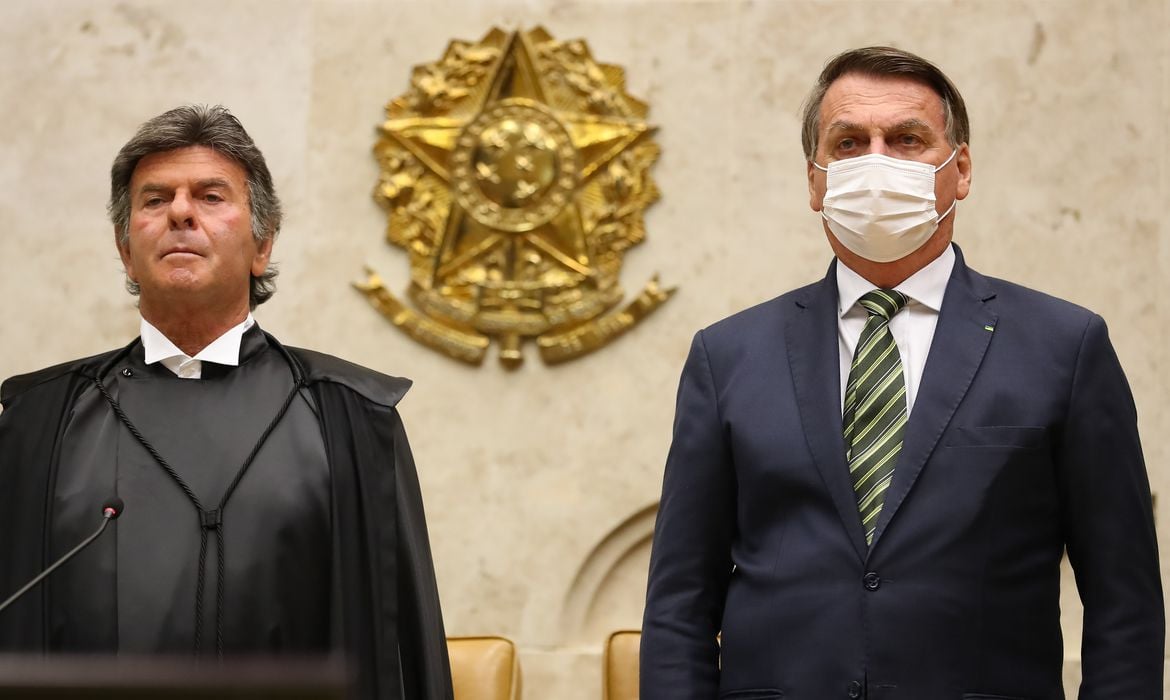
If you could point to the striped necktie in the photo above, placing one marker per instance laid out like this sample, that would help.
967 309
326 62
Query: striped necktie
875 407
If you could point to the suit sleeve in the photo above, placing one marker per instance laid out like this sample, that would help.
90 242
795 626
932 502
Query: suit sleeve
1108 520
690 562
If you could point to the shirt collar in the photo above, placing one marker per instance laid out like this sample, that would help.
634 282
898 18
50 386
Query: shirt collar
927 286
224 350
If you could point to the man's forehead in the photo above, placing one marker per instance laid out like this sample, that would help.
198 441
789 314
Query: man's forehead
885 101
198 163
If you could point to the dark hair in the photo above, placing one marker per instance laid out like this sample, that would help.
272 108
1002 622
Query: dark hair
886 61
215 128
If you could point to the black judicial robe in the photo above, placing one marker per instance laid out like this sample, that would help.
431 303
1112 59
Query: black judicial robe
382 575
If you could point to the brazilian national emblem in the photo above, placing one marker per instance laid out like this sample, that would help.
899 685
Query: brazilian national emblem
515 172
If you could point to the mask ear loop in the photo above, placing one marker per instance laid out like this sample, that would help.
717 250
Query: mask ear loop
944 163
947 213
824 170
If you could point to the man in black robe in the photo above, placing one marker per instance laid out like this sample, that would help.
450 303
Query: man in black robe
271 500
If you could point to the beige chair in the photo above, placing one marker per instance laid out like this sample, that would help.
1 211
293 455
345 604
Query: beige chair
484 668
620 677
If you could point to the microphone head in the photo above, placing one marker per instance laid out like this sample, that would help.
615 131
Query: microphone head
112 508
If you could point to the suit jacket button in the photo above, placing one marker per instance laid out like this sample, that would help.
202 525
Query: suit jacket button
872 581
854 690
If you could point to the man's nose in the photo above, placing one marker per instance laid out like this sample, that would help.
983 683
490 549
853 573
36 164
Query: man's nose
878 145
182 210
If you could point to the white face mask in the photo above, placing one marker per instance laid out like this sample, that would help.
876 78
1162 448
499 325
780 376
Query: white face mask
881 208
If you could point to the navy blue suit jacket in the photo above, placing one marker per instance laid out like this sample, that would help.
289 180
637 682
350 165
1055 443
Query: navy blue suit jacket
1022 443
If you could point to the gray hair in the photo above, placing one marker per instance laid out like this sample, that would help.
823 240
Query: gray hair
215 128
885 61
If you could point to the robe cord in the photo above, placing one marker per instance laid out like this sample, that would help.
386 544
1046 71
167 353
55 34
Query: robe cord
208 519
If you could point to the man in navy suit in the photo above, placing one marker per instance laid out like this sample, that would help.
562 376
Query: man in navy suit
873 479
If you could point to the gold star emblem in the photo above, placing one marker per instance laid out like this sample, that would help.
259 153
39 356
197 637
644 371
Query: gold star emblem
515 172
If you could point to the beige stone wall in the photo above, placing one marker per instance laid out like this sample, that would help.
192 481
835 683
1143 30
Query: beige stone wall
540 483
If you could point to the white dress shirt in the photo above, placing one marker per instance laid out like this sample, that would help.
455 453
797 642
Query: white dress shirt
912 327
224 350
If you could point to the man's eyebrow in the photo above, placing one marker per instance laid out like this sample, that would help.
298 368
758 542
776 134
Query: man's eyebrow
152 187
206 183
905 125
910 125
844 126
213 182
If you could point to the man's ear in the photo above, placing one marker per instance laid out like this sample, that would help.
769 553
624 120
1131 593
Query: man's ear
127 259
263 254
816 192
963 161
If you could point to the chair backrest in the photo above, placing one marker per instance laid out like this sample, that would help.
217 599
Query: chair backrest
620 677
484 668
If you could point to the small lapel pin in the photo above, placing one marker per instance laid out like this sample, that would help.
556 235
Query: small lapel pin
989 328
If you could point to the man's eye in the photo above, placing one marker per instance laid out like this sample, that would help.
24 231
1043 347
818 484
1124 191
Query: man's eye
846 144
153 201
909 140
212 197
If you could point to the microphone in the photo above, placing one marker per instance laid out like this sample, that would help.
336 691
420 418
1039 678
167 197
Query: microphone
111 509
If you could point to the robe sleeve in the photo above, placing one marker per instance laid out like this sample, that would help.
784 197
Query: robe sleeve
35 409
391 622
426 669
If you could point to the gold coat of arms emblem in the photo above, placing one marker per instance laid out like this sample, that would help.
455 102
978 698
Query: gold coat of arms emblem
515 173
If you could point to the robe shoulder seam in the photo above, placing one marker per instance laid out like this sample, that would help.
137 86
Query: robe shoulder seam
382 389
19 384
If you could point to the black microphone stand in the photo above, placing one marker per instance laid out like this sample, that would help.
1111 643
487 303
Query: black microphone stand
109 512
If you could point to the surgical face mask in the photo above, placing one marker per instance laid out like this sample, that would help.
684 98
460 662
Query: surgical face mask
881 208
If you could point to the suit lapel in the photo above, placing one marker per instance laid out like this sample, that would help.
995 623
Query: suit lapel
956 352
813 355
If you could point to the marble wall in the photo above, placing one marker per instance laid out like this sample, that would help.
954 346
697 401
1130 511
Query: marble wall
540 484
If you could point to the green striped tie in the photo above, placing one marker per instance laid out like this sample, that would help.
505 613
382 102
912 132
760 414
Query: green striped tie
875 407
